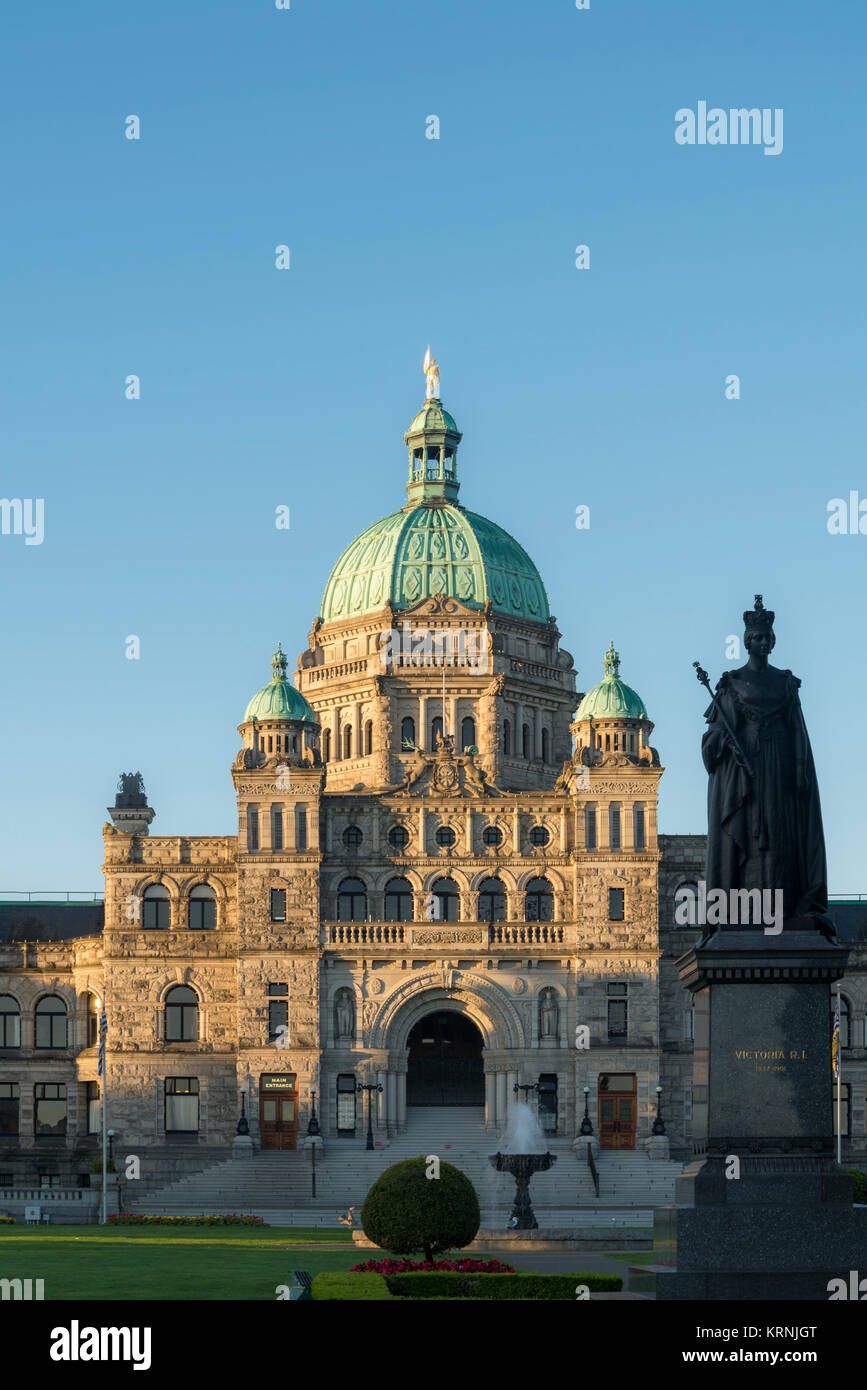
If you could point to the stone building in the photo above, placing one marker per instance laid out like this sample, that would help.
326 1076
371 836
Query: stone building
446 880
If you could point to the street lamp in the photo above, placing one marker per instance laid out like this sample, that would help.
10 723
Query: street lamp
110 1144
371 1087
243 1123
658 1126
586 1126
313 1136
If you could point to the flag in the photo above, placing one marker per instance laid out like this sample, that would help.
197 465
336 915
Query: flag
835 1039
103 1029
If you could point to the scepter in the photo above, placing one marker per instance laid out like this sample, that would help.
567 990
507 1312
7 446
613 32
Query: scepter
740 755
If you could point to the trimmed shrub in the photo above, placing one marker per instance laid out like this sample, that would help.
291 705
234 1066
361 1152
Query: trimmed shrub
231 1218
405 1211
417 1266
96 1166
341 1285
496 1286
859 1179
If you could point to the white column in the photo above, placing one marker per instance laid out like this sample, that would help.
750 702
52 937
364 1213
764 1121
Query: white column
490 1099
453 723
401 1100
391 1102
501 1099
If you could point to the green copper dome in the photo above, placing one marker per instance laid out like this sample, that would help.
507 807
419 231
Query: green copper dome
278 699
432 417
611 699
440 549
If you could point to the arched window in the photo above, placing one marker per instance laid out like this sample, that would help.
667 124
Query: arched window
326 746
492 900
202 911
51 1022
347 740
10 1021
156 907
182 1014
525 742
407 734
398 900
539 901
446 907
507 736
468 733
352 901
546 746
92 1020
435 728
368 738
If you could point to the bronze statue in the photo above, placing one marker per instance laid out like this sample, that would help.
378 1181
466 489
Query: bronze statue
764 818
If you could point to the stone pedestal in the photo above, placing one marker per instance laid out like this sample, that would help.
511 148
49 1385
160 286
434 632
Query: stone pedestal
580 1145
243 1146
657 1146
764 1213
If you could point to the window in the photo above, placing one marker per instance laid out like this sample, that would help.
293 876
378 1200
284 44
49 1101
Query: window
252 829
845 1101
507 737
10 1021
202 910
447 896
346 1104
468 733
638 825
182 1104
525 741
51 1022
347 740
617 1015
614 826
445 836
9 1107
845 1035
492 900
278 1018
278 904
398 837
301 827
407 734
368 737
546 746
94 1108
398 900
156 907
49 1118
547 1093
589 826
326 746
92 1020
352 901
539 835
539 901
276 827
492 835
616 904
352 837
436 728
276 988
182 1014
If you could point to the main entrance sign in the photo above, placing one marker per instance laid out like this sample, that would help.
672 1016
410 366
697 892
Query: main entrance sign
278 1110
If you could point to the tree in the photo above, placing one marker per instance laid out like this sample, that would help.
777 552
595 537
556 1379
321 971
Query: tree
407 1210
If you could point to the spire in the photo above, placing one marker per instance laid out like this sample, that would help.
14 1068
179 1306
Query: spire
612 661
279 663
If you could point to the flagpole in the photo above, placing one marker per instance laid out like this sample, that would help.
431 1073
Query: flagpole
839 1059
104 1070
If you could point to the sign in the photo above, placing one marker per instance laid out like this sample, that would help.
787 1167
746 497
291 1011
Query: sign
278 1083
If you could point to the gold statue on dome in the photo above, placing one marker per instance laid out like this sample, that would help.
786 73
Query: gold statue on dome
432 372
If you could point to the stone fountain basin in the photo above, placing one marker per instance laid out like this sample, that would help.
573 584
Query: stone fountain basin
524 1164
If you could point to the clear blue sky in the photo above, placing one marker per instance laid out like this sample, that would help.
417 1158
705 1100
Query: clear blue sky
261 387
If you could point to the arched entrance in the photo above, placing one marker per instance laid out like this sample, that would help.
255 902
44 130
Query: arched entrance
445 1064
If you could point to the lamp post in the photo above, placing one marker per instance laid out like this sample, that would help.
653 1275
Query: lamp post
110 1145
371 1087
526 1089
243 1123
313 1136
658 1125
586 1126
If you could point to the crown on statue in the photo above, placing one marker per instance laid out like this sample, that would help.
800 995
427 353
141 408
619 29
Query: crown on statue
759 618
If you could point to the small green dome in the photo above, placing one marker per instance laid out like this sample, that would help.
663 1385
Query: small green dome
426 550
432 418
278 699
611 699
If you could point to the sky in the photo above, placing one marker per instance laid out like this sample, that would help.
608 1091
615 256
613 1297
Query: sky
260 387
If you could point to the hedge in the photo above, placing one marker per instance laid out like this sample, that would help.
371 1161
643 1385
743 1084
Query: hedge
342 1285
859 1178
498 1286
407 1209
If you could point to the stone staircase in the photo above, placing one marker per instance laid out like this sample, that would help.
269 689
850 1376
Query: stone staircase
277 1185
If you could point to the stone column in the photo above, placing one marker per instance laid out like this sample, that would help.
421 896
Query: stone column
518 746
391 1102
401 1101
453 723
500 1118
421 733
627 825
490 1099
421 811
516 829
537 738
512 1079
334 716
357 745
650 824
563 830
469 817
381 1099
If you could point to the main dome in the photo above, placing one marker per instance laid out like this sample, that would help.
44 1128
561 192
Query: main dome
426 550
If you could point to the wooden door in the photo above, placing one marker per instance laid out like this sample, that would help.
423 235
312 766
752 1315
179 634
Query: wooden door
617 1112
278 1118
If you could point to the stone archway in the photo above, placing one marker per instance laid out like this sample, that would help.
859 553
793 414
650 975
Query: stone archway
445 1064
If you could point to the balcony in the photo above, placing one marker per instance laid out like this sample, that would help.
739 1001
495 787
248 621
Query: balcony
475 935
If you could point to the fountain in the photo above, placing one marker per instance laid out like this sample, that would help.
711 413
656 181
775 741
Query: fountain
522 1154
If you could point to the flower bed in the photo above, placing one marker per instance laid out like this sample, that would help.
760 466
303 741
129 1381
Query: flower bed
231 1218
466 1266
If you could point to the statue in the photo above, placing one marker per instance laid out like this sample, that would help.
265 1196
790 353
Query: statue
432 372
764 817
549 1014
344 1014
